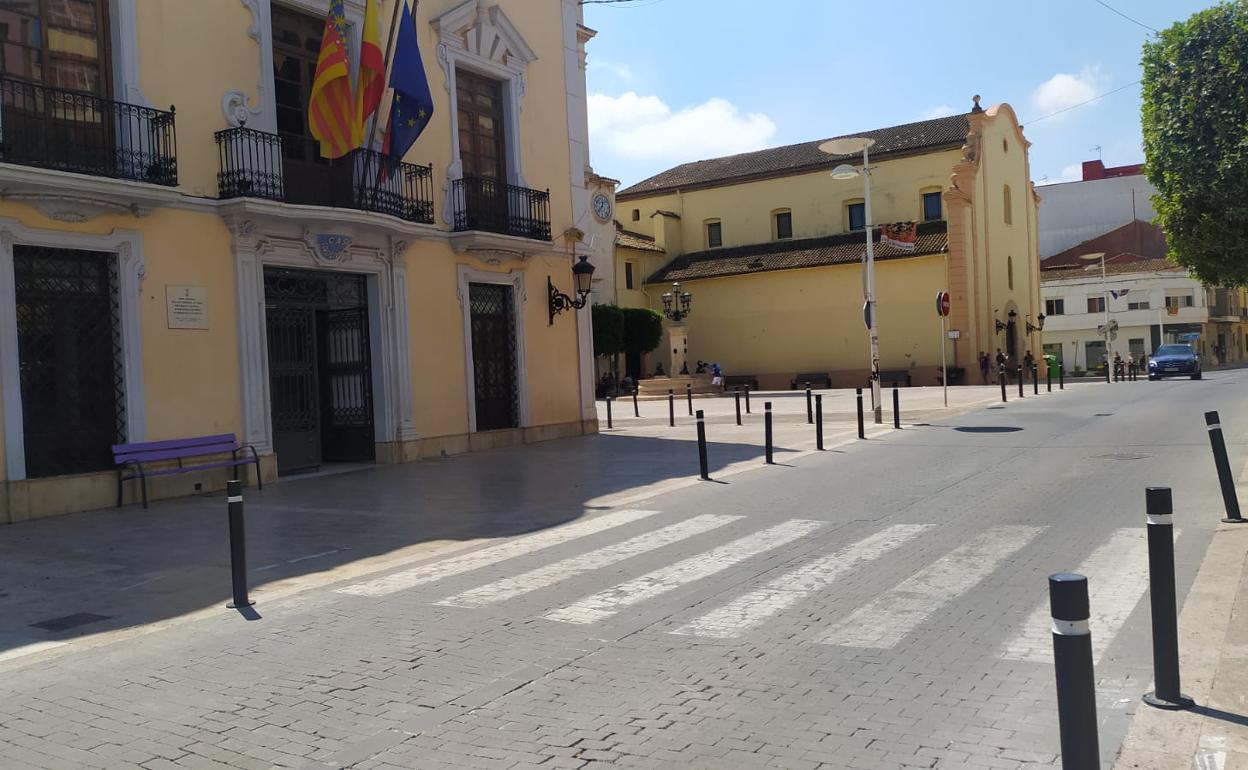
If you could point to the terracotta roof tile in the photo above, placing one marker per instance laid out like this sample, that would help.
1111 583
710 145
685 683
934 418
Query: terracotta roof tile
630 240
845 248
940 133
1125 264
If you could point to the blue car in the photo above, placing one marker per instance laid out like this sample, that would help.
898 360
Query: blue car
1174 361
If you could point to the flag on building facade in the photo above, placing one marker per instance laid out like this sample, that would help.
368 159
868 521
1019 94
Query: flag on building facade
412 106
1119 293
331 110
899 235
372 82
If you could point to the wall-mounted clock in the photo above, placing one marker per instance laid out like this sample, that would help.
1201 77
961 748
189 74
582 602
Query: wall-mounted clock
602 208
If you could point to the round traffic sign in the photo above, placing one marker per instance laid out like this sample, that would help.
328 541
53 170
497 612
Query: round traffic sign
942 303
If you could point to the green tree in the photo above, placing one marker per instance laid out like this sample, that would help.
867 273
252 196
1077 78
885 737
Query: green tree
1195 123
643 329
608 330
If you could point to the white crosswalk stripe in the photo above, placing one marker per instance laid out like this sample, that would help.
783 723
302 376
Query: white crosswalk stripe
550 574
485 557
884 622
606 603
751 610
1117 575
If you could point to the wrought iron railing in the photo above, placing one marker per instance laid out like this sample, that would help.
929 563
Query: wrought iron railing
263 165
481 203
86 134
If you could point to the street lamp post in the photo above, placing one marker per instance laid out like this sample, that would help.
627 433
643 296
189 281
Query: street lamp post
850 146
1109 357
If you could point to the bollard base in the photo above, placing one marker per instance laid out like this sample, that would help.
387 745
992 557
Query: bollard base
1184 702
1234 521
233 606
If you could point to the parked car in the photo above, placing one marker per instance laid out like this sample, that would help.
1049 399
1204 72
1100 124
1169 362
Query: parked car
1174 361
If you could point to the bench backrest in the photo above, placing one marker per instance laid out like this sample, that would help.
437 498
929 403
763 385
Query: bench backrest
175 449
813 377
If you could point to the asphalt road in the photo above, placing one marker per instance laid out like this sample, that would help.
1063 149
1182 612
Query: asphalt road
878 606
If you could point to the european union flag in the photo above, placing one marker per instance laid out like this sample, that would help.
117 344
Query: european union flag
412 107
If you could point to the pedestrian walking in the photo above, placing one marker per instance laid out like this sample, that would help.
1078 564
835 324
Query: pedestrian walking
717 375
983 367
1001 361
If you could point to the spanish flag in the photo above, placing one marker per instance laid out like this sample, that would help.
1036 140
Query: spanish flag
331 109
372 82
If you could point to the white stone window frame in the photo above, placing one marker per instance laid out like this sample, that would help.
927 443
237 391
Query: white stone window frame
515 279
483 40
126 246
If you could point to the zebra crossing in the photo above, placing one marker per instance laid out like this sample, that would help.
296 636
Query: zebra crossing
1117 568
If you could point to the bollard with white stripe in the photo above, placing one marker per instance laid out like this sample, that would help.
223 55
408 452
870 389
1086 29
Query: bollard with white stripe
1001 379
609 425
1159 508
238 545
689 398
1229 498
819 422
896 409
706 474
862 431
671 408
1061 376
767 430
1072 663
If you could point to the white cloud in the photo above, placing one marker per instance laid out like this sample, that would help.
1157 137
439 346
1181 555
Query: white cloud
618 69
632 127
939 111
1064 90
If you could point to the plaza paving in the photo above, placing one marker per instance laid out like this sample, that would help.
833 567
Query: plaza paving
588 602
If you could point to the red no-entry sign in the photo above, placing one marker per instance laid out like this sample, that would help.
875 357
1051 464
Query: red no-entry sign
942 303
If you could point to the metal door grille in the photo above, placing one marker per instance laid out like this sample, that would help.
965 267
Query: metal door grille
494 356
69 352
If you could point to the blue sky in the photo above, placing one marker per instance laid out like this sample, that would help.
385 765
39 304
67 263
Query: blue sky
678 80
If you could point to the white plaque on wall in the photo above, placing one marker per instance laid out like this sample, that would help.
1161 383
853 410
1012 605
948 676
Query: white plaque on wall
187 307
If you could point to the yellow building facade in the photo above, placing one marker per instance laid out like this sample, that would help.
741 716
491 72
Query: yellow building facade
771 246
176 261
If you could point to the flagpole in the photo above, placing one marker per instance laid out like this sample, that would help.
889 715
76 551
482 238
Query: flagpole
394 23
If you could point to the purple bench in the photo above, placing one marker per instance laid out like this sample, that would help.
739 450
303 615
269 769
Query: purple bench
132 459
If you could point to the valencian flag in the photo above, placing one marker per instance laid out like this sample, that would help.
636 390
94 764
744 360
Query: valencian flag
413 104
331 109
372 82
899 235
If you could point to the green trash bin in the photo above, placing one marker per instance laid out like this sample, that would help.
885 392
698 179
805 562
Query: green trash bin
1054 365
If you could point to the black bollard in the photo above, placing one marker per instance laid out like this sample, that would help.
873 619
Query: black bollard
1108 367
1001 379
1072 663
1048 378
767 430
819 422
1035 380
1159 509
706 476
671 408
862 431
747 400
609 426
810 414
636 411
238 545
1229 499
736 397
1061 377
1020 381
896 410
689 398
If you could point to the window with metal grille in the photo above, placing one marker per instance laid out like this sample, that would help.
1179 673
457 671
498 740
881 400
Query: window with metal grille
495 382
69 352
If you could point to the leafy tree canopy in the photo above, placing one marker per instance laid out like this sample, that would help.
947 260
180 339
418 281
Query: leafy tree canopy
608 330
1195 125
643 329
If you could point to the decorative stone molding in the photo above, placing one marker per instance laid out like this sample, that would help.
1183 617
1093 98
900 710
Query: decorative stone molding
74 208
237 111
257 19
127 245
330 248
480 37
125 44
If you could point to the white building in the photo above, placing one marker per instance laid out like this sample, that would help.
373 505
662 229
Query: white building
1105 199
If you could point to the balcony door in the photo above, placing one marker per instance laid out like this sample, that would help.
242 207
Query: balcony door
57 44
308 177
482 150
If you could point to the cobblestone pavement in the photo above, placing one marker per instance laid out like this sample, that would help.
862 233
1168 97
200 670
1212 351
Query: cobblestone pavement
873 607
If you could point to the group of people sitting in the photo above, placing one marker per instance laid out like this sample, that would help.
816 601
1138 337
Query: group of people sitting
610 385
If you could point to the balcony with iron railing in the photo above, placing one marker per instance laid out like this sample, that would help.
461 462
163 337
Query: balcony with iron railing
85 134
481 203
257 164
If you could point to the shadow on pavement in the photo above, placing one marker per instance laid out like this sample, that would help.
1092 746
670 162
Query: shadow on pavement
103 570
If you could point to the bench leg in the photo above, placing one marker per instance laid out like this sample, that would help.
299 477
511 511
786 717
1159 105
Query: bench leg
119 483
143 482
259 480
